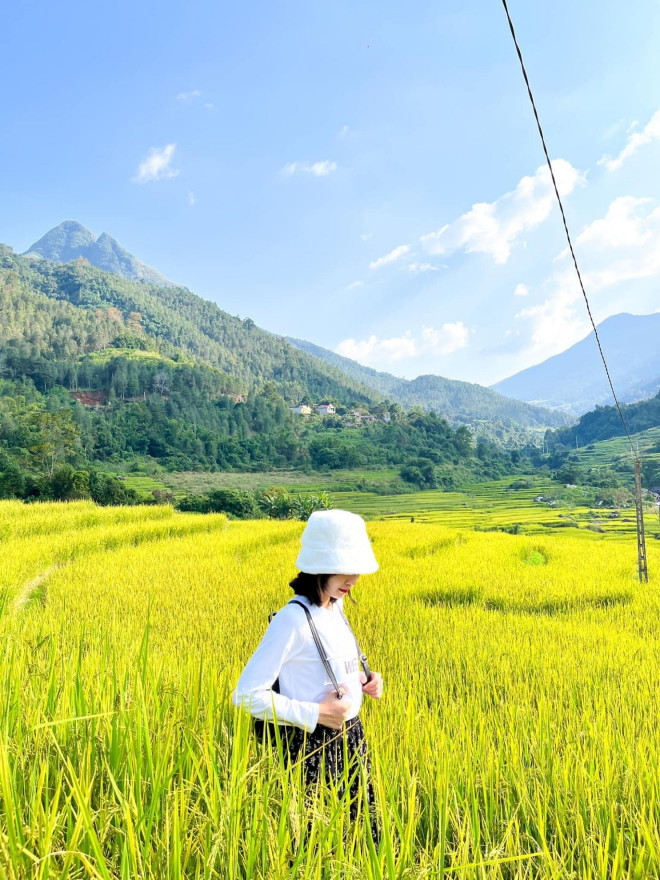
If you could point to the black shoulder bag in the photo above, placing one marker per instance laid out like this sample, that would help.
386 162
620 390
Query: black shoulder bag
259 724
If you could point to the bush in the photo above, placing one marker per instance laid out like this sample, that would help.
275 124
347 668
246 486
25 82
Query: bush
236 502
193 504
420 472
109 491
522 484
12 479
68 484
277 503
163 496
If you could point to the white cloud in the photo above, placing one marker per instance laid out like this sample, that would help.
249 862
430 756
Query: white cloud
620 227
156 166
208 106
521 290
636 139
317 169
556 324
192 198
366 236
493 227
188 97
344 130
423 267
354 285
394 255
622 246
448 339
445 340
364 350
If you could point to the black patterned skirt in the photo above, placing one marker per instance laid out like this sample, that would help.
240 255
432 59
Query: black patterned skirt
334 751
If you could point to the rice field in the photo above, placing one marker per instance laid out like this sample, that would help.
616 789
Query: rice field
495 505
517 736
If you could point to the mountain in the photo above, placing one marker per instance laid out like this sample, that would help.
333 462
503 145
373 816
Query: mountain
604 422
96 370
72 241
575 380
459 402
174 318
213 336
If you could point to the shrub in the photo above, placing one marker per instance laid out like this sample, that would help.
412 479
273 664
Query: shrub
236 502
527 483
68 484
109 491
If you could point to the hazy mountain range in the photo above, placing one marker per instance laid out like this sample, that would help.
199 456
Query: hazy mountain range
73 241
459 401
547 394
575 380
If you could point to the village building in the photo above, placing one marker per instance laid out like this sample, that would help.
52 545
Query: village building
326 409
302 409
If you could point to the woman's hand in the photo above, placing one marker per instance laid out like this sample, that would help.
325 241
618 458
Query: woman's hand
373 687
333 712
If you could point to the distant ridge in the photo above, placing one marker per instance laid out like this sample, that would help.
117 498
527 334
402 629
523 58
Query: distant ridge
72 241
459 402
575 380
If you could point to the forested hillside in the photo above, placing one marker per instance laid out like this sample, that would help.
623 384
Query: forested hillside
97 371
604 422
175 316
459 402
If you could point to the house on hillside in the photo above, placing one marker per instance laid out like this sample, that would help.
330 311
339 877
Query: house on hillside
301 410
326 409
386 417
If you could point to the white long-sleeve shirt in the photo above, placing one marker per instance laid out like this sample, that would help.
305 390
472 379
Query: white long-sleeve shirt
288 650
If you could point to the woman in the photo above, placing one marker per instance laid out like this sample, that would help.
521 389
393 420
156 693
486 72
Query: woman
316 704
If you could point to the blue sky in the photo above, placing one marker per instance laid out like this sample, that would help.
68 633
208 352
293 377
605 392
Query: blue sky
363 175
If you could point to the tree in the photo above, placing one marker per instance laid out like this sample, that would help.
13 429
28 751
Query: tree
68 484
108 490
12 478
161 382
463 441
57 437
420 472
237 502
303 506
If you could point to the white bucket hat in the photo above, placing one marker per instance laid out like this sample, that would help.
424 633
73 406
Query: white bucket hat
336 542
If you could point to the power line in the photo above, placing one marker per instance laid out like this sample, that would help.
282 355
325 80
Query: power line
568 235
639 508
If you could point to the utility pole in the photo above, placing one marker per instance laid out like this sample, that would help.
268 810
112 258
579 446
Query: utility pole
641 541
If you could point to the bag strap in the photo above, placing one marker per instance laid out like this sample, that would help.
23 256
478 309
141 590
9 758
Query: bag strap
319 646
361 654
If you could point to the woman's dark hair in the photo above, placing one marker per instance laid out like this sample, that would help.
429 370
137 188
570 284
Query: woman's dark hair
310 586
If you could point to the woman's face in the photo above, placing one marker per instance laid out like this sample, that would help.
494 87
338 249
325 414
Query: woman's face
338 585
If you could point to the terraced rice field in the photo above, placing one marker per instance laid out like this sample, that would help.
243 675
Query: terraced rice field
607 453
494 505
517 737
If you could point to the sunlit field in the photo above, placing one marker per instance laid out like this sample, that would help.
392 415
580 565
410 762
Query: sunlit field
517 736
